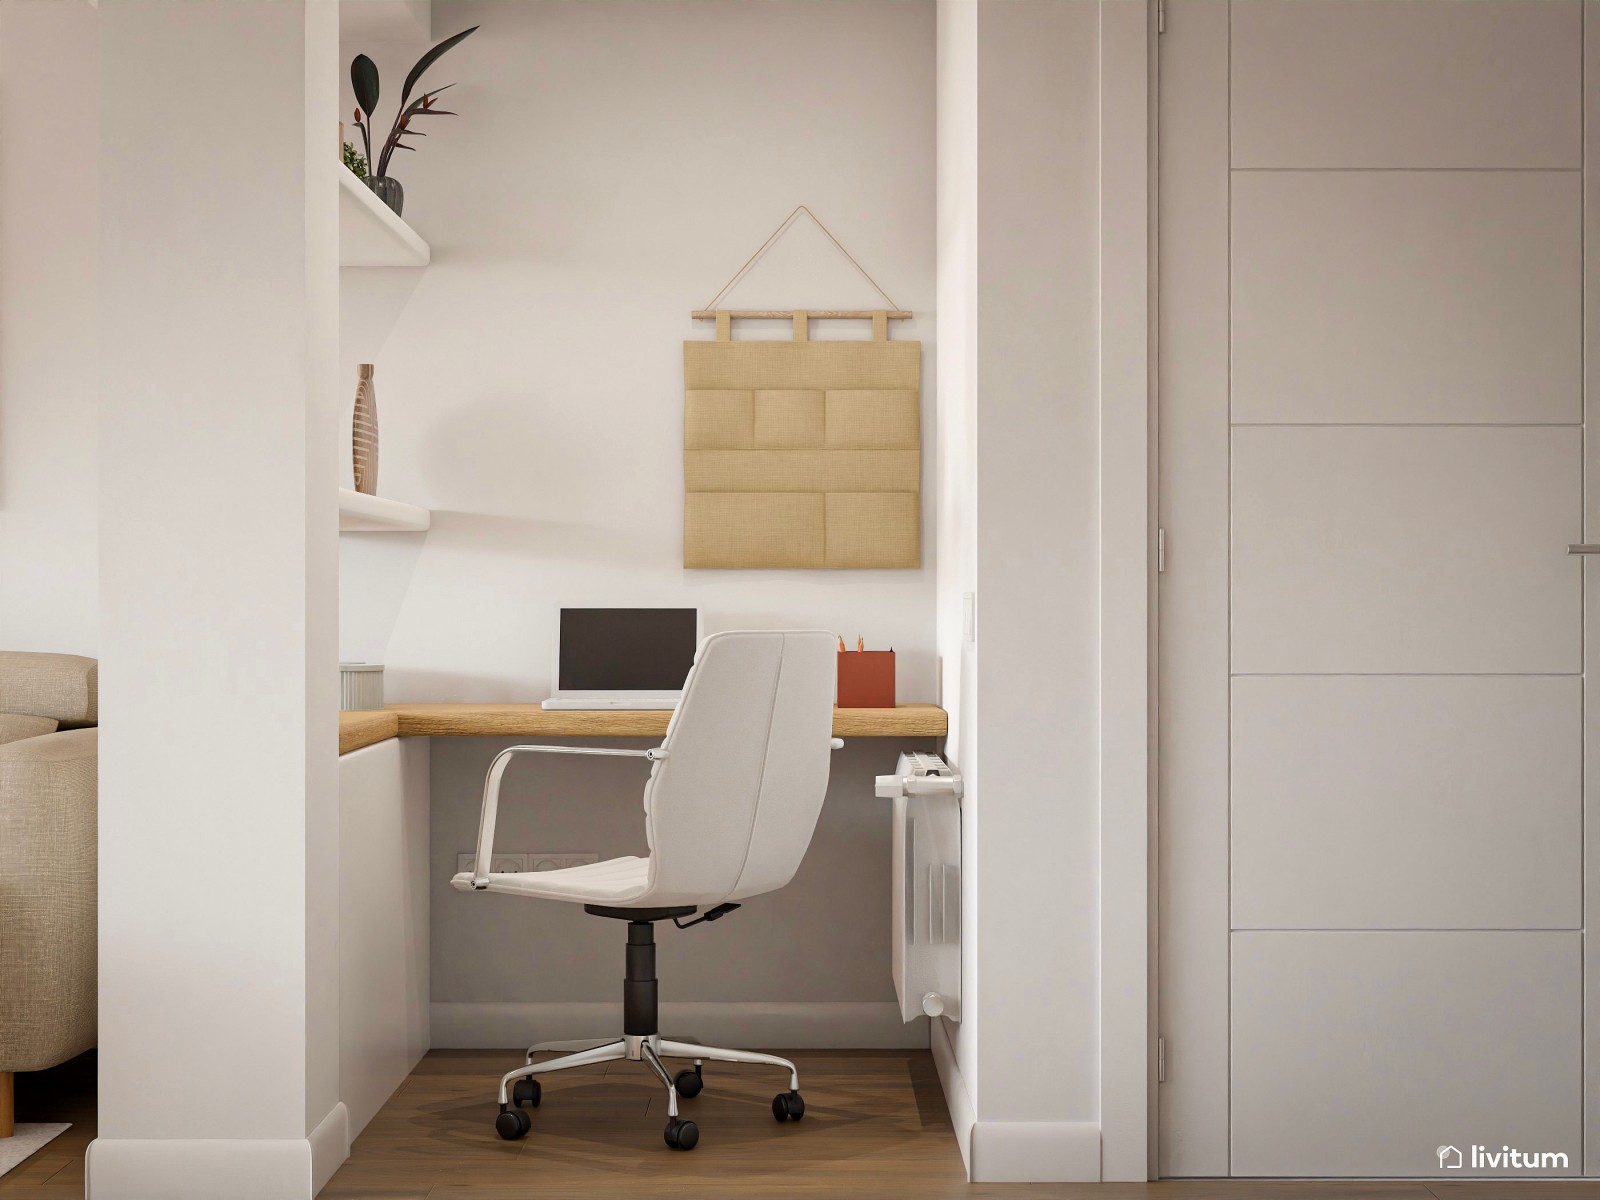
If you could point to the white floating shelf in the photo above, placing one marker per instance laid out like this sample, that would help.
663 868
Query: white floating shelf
370 235
360 513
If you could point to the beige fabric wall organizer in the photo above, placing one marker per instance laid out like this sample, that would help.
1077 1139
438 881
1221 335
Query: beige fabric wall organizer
802 453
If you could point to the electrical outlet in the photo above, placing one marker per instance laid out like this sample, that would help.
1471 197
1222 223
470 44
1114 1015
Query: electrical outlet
579 860
466 861
508 864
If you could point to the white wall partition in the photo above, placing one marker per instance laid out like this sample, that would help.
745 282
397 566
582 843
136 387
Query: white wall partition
1043 495
1037 581
218 808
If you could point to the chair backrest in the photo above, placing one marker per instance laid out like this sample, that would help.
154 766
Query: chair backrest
731 809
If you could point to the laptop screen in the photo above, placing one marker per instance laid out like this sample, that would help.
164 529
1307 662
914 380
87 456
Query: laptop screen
626 649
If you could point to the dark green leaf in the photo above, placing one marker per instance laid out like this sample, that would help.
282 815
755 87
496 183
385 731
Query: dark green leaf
427 60
364 80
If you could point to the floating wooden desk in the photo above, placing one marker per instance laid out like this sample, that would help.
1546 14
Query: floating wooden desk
358 729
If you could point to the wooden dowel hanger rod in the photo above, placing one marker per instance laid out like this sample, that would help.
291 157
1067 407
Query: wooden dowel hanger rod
784 314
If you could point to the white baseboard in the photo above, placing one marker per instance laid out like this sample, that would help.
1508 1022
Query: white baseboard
1035 1152
864 1026
174 1169
956 1096
330 1146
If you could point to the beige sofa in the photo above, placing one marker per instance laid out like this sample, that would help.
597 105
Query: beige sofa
48 851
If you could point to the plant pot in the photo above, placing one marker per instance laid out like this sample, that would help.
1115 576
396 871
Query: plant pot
388 190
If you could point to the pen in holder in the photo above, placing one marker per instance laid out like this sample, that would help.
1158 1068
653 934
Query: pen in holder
866 678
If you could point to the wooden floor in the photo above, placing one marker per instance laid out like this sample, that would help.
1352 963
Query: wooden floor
875 1126
63 1094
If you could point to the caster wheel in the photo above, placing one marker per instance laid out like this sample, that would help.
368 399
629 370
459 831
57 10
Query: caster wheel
688 1082
525 1093
787 1106
680 1134
512 1124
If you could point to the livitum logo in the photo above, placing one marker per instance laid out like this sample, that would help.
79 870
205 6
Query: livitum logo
1484 1158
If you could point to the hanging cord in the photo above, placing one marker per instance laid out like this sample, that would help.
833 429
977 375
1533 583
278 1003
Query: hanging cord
776 234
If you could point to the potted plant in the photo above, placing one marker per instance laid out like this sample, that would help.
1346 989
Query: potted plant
364 80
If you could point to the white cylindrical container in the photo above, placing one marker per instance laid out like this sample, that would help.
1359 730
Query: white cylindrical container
360 687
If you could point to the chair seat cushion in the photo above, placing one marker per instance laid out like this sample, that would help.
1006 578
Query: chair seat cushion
611 881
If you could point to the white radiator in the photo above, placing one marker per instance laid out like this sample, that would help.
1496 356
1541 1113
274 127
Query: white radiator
927 884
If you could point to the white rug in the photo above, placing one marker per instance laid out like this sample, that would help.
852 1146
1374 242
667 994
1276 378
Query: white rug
27 1140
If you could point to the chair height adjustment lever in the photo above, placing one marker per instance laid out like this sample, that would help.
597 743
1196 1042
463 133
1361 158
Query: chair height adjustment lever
711 914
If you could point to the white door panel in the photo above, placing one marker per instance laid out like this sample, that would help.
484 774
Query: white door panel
1404 297
1407 802
1406 83
1361 1053
1374 304
1404 550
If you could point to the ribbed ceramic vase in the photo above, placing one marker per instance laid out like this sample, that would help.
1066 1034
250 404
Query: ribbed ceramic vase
388 190
364 432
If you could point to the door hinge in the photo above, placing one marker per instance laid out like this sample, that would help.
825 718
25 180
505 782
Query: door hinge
1161 550
1161 16
1161 1060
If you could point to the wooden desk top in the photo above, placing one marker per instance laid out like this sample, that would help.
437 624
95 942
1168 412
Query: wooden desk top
358 729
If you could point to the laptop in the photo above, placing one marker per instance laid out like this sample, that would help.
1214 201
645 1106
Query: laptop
623 657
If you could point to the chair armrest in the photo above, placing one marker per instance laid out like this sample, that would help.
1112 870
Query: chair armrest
491 794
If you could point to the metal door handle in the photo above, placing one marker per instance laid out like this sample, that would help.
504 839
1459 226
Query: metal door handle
1583 548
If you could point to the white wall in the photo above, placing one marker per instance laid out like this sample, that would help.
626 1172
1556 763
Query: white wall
218 804
49 105
956 500
612 165
805 965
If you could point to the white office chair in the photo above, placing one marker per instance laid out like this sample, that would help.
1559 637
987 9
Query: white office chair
730 805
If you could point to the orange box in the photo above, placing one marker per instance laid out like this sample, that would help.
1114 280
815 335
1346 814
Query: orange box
866 678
